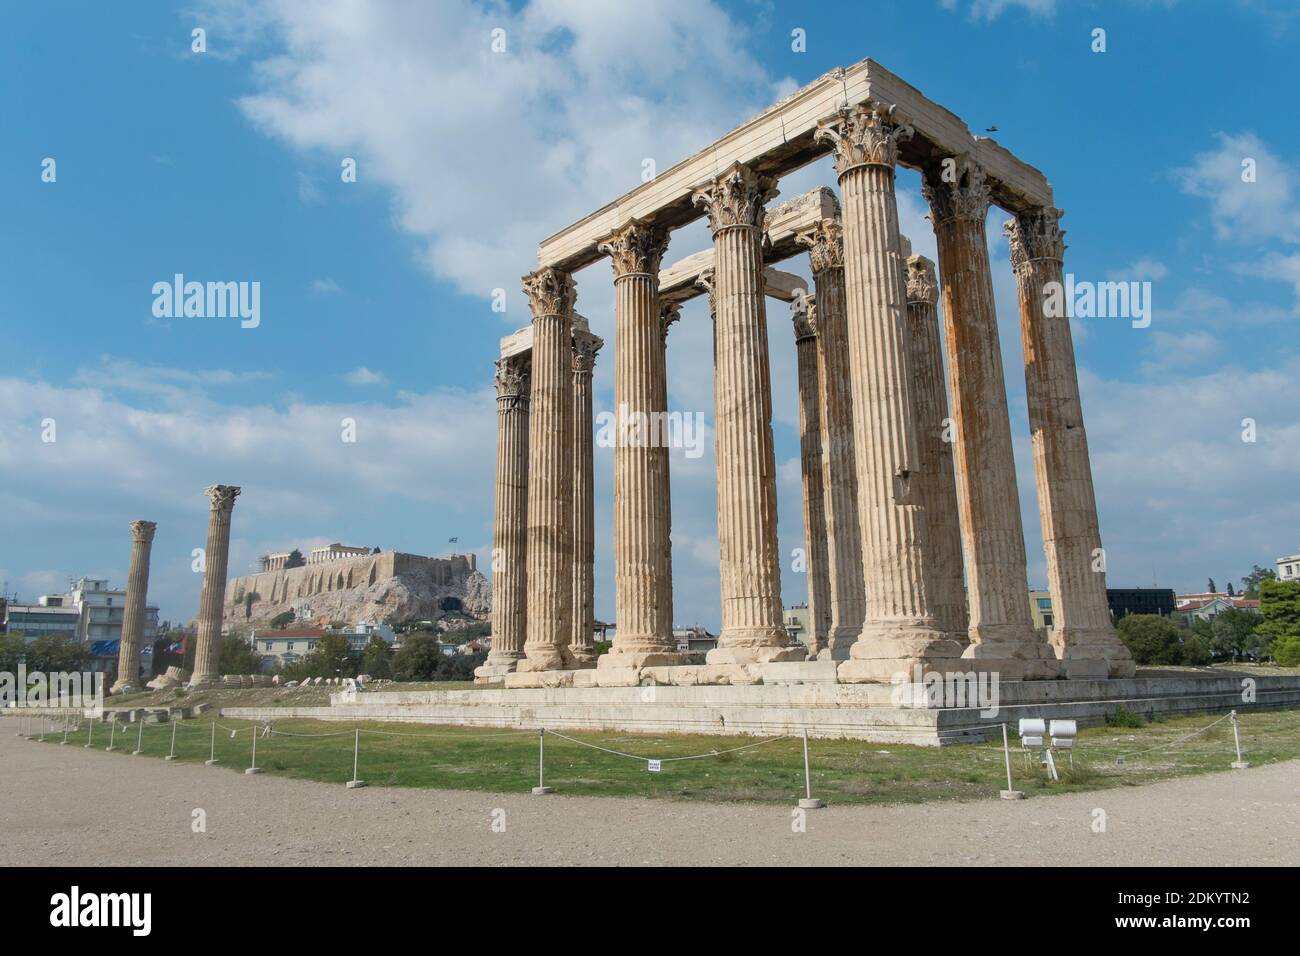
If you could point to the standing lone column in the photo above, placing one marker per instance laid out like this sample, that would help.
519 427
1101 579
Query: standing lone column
825 243
137 589
899 631
1001 629
510 526
216 557
1083 637
752 628
642 559
582 645
550 474
816 559
934 431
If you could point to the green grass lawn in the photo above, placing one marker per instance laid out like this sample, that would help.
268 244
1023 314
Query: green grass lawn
843 771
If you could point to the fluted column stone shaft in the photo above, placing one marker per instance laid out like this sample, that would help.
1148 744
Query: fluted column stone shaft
550 474
825 244
1001 630
510 524
938 487
669 312
816 558
899 629
582 644
1083 635
137 589
216 558
642 558
752 626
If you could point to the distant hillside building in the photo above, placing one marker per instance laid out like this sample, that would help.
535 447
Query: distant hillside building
1209 605
102 610
335 552
90 612
1288 568
286 646
1126 601
694 639
48 616
1040 610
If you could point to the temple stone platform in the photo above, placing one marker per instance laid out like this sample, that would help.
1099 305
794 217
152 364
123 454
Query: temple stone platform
793 698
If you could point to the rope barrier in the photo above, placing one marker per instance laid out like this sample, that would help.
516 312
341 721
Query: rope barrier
711 753
655 763
1195 733
398 733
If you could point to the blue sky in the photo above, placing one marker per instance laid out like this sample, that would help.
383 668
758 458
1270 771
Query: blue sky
376 295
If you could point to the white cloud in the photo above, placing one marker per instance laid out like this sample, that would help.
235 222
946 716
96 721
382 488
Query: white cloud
485 153
1145 268
363 376
325 286
1245 211
1277 267
171 385
1171 471
992 9
1180 349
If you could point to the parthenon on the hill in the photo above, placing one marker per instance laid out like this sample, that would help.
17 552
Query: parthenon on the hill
911 514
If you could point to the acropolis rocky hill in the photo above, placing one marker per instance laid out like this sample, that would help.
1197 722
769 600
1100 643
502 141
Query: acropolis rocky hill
389 586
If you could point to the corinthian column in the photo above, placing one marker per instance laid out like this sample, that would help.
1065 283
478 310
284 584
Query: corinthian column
899 631
581 645
137 589
825 243
216 557
1083 637
810 460
550 474
510 524
938 487
1001 629
642 562
752 629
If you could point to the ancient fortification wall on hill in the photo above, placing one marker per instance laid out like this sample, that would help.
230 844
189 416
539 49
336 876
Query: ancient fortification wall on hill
388 586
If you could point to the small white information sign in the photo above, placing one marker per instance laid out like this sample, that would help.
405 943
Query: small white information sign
654 766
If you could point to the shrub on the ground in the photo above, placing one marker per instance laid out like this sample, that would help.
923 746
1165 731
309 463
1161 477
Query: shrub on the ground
1121 716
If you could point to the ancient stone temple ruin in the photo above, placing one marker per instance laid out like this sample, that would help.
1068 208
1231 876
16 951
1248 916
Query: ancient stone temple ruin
915 543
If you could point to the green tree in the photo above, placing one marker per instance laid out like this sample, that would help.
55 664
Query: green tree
13 649
461 666
1213 589
1279 606
1151 639
1196 650
238 657
295 560
1286 651
1251 582
332 658
282 620
57 652
377 658
418 658
1234 632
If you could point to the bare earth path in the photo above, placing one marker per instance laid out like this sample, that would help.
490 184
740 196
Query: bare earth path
70 806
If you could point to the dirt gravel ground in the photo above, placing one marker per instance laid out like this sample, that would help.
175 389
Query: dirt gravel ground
75 807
